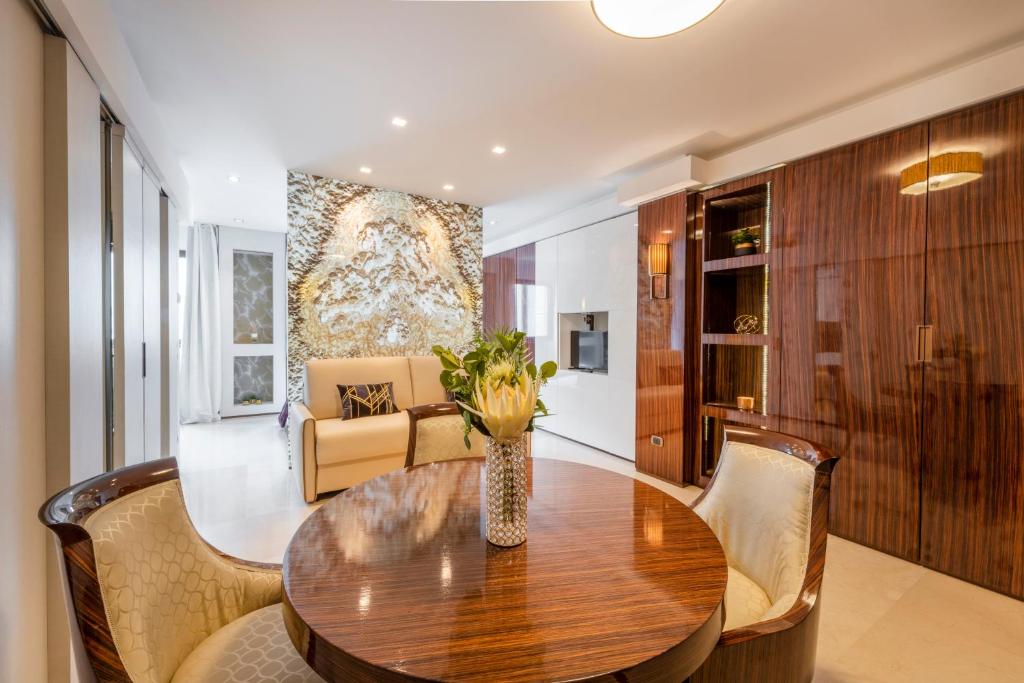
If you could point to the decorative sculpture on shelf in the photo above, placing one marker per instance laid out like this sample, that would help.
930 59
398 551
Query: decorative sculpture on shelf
746 324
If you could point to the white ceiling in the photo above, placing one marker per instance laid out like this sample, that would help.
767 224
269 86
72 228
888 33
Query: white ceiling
256 87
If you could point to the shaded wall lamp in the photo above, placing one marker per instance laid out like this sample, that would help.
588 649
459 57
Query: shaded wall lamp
941 172
657 268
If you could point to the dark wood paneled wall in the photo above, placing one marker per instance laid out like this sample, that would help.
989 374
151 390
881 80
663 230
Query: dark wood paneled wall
932 465
502 272
973 474
664 365
851 253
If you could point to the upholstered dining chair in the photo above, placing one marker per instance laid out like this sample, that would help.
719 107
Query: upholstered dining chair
435 434
768 505
150 601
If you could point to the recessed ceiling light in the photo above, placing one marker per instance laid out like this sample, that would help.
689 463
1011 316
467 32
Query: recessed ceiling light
448 187
232 179
365 169
494 222
498 149
651 18
239 220
398 122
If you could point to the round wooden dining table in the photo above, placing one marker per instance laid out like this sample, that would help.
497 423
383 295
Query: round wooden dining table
393 580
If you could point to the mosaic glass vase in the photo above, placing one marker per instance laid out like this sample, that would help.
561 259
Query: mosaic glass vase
506 491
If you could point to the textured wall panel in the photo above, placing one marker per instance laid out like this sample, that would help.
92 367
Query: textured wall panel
377 273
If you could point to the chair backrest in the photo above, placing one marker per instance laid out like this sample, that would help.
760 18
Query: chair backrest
436 434
323 375
768 505
145 587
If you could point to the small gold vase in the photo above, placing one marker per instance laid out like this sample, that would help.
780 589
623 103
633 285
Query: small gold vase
506 491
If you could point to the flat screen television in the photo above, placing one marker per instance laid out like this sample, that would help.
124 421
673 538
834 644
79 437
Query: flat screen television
589 351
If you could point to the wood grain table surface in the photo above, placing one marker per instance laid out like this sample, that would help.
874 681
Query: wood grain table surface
393 580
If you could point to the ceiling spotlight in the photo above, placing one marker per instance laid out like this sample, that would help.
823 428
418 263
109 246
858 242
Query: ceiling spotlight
239 220
448 187
232 179
398 122
365 169
651 18
498 149
494 222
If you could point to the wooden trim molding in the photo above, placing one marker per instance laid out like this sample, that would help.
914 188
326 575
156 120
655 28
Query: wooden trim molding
779 650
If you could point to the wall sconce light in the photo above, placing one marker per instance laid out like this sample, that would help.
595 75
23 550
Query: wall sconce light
657 268
941 172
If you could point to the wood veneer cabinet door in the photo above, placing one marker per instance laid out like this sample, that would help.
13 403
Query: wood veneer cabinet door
973 470
851 282
662 366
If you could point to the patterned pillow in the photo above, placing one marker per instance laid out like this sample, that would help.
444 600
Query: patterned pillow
367 400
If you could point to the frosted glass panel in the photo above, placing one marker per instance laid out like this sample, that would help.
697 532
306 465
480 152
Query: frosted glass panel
253 297
254 380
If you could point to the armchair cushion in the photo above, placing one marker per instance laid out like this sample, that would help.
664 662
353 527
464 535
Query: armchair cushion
252 649
760 509
745 601
340 440
441 438
165 590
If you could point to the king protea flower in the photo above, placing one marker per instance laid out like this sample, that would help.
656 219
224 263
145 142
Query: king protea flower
506 410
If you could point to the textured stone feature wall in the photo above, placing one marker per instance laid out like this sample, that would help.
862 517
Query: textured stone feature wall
375 272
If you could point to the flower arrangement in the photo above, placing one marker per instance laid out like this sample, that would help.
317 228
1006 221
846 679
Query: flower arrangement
496 385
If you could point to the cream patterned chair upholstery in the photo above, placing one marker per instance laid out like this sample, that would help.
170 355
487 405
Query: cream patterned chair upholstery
152 601
436 433
768 505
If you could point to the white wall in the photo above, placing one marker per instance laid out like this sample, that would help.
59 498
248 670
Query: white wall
74 372
92 30
592 269
22 487
589 213
169 327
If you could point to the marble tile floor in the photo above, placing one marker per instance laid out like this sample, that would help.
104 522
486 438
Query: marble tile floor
883 619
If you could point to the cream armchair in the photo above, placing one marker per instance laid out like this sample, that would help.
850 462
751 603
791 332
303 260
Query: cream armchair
150 602
328 453
768 505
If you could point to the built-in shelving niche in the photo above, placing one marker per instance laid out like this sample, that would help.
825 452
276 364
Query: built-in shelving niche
733 363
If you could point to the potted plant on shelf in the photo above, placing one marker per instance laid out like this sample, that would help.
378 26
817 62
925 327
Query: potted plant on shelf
744 243
496 386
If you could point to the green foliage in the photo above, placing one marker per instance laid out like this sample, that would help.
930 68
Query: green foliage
498 358
743 236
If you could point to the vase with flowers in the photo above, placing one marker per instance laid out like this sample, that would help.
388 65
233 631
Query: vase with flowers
497 388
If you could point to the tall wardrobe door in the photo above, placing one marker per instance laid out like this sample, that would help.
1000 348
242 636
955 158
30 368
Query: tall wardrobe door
973 470
851 253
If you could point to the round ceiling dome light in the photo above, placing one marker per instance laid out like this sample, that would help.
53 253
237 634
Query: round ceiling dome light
651 18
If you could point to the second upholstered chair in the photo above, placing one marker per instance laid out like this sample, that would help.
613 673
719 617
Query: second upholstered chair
435 434
768 505
150 601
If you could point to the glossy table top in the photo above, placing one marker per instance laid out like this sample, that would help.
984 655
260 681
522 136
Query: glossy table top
394 580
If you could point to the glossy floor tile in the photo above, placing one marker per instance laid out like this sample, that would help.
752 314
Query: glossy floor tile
883 619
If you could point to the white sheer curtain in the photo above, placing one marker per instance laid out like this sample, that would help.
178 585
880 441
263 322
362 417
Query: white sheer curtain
199 389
